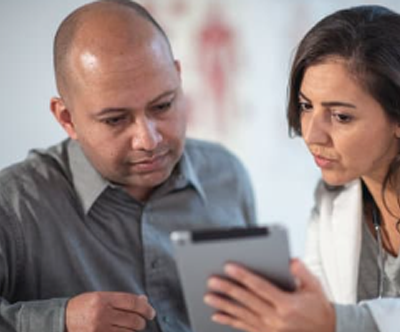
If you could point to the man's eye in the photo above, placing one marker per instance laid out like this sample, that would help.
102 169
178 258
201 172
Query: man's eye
114 121
303 106
163 106
342 118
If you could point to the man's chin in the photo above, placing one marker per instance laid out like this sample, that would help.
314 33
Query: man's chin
141 189
147 180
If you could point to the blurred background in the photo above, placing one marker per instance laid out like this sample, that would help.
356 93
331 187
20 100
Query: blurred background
235 57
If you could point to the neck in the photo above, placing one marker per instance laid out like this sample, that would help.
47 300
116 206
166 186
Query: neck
389 203
389 211
142 194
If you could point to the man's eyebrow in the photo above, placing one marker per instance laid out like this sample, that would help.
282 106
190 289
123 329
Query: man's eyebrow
111 110
163 95
329 103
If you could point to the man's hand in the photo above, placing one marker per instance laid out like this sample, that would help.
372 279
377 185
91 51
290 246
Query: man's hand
108 312
259 306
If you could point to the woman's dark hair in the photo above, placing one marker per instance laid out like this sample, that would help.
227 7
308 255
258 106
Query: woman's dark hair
367 38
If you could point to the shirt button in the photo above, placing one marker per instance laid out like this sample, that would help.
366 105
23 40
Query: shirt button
165 319
154 264
180 180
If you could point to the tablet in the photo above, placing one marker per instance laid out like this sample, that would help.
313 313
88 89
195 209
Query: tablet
203 253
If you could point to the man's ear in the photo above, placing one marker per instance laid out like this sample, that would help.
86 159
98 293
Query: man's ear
177 64
63 116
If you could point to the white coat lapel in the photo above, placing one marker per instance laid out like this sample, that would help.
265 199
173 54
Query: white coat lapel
341 238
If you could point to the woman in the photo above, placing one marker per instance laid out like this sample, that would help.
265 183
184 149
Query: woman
344 100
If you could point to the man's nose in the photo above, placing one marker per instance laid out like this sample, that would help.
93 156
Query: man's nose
314 127
145 135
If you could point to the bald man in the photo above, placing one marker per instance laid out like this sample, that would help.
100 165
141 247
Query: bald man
84 225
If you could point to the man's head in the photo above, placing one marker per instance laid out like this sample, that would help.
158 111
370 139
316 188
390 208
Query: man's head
120 93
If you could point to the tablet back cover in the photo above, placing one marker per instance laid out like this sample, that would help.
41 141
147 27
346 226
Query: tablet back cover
267 255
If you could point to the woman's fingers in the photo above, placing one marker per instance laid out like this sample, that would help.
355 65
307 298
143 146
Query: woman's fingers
245 297
258 285
248 302
224 319
230 312
305 278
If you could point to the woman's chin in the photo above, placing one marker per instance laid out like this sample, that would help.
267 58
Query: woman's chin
336 181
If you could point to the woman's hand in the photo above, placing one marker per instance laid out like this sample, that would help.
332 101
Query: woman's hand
259 306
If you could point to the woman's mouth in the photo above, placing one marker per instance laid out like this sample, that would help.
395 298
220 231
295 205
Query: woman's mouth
323 162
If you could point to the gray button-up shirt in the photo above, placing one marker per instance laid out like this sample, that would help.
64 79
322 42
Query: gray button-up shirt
65 230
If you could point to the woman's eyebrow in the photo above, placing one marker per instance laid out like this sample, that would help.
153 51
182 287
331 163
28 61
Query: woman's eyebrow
329 103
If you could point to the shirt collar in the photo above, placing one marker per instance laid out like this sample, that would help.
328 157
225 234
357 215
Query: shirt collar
89 184
187 175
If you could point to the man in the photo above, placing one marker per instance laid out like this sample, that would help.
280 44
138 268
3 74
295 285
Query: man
84 226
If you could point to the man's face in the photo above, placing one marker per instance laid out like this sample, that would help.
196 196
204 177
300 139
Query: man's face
127 112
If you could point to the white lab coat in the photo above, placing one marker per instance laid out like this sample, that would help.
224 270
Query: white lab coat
333 251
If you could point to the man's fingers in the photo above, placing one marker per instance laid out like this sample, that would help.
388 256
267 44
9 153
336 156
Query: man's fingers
108 311
128 320
133 303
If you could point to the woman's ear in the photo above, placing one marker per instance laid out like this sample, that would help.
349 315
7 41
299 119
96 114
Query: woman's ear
63 116
397 131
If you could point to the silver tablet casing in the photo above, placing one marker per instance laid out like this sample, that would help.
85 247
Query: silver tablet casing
267 255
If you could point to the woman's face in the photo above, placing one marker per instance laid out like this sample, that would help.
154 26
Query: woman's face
345 129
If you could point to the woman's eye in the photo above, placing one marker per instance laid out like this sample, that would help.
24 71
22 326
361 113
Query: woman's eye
342 118
303 106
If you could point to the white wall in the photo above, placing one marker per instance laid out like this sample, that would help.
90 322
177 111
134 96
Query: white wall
266 34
